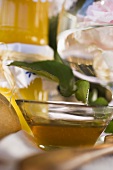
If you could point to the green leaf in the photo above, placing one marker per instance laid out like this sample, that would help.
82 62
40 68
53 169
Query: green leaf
53 22
53 70
109 128
99 102
82 91
58 58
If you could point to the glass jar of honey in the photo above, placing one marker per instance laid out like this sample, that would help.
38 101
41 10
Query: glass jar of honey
24 21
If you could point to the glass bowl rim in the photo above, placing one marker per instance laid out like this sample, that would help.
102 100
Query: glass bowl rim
61 103
71 16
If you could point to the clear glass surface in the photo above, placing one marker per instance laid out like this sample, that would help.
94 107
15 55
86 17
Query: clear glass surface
83 38
88 53
64 124
75 13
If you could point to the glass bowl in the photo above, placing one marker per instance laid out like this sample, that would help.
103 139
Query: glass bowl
64 124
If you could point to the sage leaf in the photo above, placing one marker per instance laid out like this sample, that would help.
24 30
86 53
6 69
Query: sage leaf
53 70
109 128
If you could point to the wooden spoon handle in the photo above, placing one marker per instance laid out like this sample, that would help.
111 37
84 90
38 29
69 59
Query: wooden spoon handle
66 159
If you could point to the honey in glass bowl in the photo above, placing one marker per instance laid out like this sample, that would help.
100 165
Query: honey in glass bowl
64 124
24 21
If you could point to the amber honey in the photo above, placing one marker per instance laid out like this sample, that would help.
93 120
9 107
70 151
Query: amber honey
24 21
53 136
